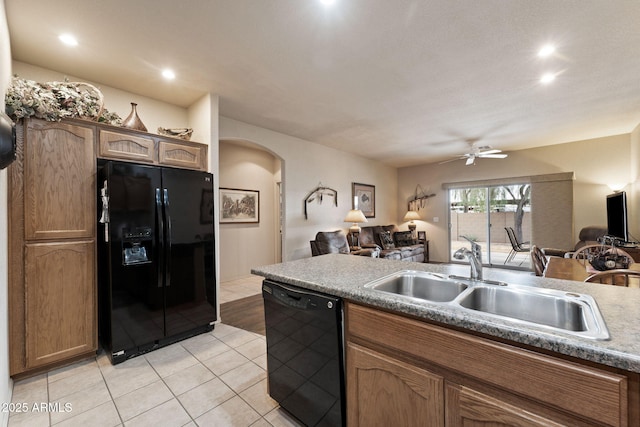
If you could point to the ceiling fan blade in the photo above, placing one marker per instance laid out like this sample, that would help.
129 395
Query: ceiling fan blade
493 156
454 159
482 153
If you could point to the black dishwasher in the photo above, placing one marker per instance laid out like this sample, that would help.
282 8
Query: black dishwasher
305 353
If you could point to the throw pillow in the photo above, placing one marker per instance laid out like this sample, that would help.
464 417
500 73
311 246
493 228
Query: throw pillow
404 238
387 240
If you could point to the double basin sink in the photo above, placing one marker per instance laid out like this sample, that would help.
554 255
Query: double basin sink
567 312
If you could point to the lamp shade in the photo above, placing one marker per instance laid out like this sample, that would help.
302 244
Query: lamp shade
411 215
355 216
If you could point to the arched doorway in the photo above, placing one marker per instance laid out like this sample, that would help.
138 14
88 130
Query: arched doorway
248 166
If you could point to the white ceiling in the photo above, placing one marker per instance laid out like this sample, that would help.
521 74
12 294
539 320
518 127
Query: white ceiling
401 81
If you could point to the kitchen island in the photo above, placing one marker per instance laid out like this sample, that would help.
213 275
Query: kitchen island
457 366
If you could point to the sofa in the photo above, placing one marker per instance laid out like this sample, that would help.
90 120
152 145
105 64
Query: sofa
335 242
391 242
588 236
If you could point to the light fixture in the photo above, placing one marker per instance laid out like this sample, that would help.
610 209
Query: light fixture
327 2
411 216
355 216
546 51
68 39
168 74
547 78
617 187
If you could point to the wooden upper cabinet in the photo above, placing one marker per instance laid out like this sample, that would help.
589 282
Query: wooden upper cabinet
193 156
59 174
142 147
120 145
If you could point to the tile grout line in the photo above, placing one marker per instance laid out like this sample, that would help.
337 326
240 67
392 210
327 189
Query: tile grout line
106 384
170 390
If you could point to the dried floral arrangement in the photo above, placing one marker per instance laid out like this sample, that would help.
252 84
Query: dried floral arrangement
54 101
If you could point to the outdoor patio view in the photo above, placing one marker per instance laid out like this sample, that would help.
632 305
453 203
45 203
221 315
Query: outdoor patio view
483 214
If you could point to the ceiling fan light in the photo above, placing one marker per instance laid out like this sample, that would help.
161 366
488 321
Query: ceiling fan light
471 160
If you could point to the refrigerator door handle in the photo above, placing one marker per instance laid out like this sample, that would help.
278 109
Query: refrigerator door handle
160 240
167 217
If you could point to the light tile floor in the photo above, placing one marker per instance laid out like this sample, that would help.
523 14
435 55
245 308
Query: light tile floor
213 379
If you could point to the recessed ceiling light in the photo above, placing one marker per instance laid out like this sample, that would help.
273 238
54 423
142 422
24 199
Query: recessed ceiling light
168 74
68 39
546 50
547 78
327 2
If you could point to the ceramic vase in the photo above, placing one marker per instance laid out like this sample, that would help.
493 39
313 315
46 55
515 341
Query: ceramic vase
133 121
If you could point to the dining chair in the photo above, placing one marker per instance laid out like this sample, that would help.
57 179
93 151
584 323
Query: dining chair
586 253
538 260
618 277
516 246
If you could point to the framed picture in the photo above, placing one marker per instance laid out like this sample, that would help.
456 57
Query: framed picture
422 236
239 206
364 198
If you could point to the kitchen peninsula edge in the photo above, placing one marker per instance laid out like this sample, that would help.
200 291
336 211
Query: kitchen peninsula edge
345 277
447 366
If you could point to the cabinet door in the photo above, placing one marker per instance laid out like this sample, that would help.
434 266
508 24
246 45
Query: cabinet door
60 311
469 408
121 145
192 155
59 175
382 391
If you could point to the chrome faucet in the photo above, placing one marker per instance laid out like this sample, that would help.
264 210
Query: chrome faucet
474 256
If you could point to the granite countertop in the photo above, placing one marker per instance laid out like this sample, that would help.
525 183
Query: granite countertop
345 276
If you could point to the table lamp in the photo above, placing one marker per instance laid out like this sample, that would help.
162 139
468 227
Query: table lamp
410 216
355 216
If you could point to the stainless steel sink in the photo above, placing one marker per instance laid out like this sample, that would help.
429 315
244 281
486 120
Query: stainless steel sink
567 312
419 284
575 313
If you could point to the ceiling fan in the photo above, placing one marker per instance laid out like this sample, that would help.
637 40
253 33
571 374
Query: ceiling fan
478 152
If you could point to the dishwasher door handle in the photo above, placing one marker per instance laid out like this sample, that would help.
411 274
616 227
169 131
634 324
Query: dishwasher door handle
300 300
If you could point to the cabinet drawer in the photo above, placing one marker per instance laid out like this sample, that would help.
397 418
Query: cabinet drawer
192 156
582 390
119 145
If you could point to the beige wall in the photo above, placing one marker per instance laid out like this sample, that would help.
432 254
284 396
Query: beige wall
597 163
5 381
304 166
634 191
245 245
153 113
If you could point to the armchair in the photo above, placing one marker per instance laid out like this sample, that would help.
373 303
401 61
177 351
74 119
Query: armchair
588 236
335 242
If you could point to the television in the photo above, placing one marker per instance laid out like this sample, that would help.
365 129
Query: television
617 223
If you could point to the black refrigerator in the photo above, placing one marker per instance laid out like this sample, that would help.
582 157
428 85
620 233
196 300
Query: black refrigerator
156 263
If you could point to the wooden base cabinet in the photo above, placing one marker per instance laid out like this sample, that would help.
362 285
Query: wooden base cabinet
52 238
387 392
470 408
403 371
58 320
